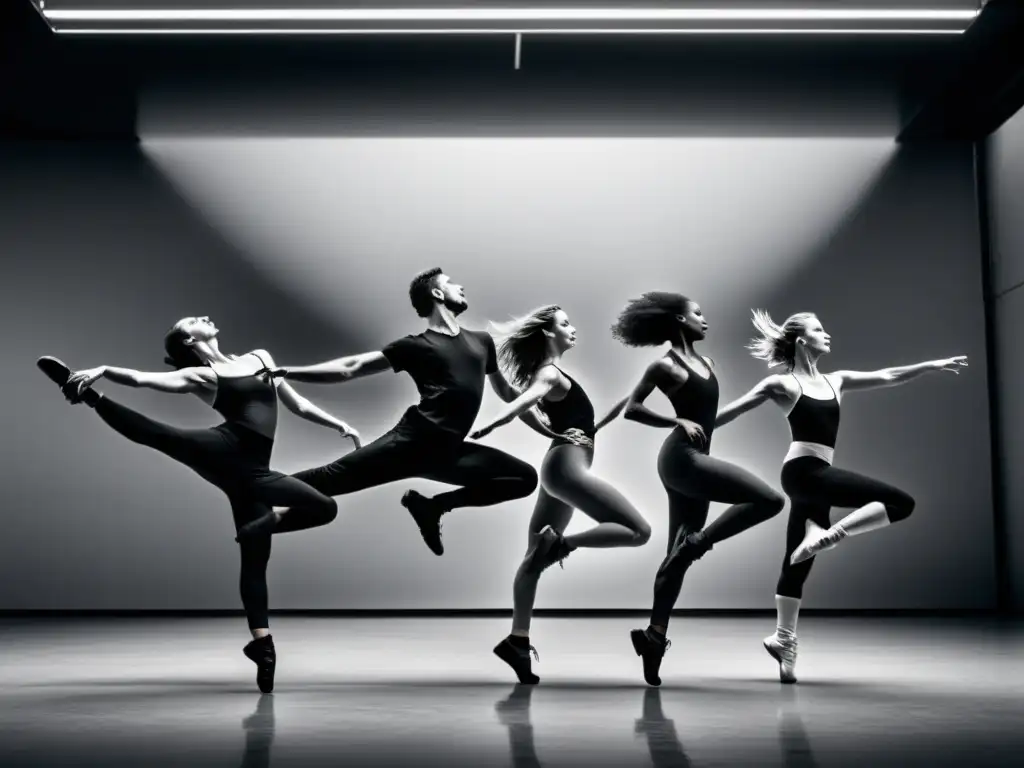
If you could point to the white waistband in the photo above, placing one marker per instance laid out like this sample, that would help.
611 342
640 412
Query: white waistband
799 448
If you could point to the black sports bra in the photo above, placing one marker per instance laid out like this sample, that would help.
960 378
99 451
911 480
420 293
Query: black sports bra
815 421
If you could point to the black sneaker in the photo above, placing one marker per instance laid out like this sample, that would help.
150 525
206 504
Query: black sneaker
59 374
518 657
427 518
652 651
261 652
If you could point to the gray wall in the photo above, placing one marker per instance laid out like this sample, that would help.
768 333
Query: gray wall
1006 207
306 247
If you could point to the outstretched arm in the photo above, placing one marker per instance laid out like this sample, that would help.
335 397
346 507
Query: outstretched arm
542 383
305 409
769 388
335 371
181 382
612 414
529 415
892 377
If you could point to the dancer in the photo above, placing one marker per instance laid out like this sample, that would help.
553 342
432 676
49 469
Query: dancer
811 401
531 354
234 455
692 478
448 364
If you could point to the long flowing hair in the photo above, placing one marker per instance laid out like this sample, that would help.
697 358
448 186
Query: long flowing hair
776 344
525 345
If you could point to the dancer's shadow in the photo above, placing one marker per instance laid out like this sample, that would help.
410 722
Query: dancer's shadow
662 740
793 741
514 713
259 734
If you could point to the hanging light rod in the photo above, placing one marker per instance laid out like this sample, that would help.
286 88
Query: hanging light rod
140 17
493 31
501 14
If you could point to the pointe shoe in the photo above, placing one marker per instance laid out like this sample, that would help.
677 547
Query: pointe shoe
816 542
783 650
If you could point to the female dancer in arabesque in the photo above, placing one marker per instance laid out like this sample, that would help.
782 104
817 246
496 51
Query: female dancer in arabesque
234 456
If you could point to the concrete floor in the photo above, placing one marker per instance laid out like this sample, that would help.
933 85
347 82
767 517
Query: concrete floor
420 692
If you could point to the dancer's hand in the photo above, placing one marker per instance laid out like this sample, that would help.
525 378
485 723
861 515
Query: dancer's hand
482 432
693 431
346 431
79 380
953 364
276 373
577 437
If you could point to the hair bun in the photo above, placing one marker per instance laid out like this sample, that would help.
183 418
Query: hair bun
170 361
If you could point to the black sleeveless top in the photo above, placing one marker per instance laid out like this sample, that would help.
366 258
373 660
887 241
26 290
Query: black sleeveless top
696 399
248 401
574 411
813 420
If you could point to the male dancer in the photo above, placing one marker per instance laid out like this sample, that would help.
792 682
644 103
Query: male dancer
448 364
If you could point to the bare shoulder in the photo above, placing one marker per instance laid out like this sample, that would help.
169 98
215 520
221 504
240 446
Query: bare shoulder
265 356
780 387
547 374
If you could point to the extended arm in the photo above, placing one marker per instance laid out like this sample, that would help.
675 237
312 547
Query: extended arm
304 408
892 377
612 414
510 394
183 381
635 410
336 371
766 389
542 383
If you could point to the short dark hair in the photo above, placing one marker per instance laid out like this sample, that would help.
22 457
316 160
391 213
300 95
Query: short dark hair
420 291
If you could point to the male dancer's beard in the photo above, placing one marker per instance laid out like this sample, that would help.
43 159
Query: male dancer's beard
456 307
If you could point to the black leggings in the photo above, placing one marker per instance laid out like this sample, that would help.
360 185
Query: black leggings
693 480
566 485
487 476
814 486
236 460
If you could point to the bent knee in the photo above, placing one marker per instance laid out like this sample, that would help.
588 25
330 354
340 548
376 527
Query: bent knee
529 479
328 509
773 504
900 507
642 535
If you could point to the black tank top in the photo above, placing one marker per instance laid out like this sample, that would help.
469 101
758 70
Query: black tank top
697 398
574 411
248 401
813 420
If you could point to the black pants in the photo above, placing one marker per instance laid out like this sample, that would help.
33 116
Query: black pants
487 476
693 479
814 487
236 460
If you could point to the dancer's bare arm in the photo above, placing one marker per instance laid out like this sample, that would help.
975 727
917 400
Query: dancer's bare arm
181 382
770 388
612 414
892 377
304 408
335 371
543 382
657 373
